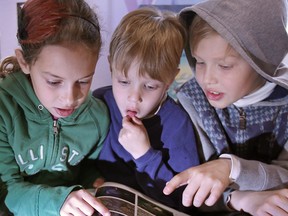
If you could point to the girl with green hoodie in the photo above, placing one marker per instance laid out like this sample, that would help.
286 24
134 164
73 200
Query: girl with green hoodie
238 102
49 120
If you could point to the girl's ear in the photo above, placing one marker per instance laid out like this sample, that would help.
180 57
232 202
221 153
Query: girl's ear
22 63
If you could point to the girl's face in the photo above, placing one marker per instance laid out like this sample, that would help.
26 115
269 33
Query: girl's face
61 77
222 73
137 95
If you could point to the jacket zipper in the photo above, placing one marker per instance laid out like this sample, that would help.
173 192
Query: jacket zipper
242 119
55 127
55 144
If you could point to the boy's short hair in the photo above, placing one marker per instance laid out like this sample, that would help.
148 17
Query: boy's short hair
153 38
200 29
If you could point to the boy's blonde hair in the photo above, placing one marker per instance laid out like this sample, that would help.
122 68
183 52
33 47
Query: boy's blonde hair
153 38
200 29
257 34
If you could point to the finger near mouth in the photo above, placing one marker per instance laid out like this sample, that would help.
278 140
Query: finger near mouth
131 113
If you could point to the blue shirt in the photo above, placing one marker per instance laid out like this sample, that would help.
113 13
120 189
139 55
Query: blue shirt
173 149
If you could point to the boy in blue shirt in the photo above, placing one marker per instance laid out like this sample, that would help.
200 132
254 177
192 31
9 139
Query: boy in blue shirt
151 137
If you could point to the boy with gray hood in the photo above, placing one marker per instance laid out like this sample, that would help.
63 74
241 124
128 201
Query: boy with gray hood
238 102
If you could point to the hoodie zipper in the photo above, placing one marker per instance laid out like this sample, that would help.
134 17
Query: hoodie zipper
55 147
242 121
55 127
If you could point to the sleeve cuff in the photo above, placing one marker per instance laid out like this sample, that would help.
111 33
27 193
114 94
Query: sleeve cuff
235 166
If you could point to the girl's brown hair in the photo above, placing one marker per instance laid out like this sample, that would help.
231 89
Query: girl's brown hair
54 22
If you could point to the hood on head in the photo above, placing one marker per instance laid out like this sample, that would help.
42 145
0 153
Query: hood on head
255 29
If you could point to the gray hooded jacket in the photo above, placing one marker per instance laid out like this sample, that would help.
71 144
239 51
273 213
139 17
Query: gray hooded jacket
256 30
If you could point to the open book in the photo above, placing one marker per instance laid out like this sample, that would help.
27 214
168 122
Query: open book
122 200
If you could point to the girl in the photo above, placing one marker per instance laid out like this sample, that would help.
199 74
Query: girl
49 121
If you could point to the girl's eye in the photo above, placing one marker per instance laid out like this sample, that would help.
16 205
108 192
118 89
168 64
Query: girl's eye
53 83
84 82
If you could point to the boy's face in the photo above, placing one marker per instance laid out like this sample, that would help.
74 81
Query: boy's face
61 78
222 73
137 95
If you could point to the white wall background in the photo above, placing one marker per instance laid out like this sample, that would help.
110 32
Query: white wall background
109 16
109 11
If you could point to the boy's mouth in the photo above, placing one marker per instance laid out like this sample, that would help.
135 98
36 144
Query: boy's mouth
214 95
131 113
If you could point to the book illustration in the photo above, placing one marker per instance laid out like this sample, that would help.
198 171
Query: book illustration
122 200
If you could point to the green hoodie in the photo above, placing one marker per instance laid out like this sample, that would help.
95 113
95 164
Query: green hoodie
39 156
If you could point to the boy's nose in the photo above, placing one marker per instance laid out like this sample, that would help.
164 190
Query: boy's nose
209 75
135 96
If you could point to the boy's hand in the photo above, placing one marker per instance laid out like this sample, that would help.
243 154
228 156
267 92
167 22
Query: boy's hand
98 182
133 136
81 202
261 203
206 182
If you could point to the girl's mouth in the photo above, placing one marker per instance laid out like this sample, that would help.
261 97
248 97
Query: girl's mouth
64 112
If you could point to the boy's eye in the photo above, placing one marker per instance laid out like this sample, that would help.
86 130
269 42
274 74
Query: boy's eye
150 87
225 67
123 82
199 63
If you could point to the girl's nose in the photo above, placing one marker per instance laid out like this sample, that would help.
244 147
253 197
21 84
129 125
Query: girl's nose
70 96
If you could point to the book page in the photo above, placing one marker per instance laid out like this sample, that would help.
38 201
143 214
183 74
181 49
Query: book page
122 200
